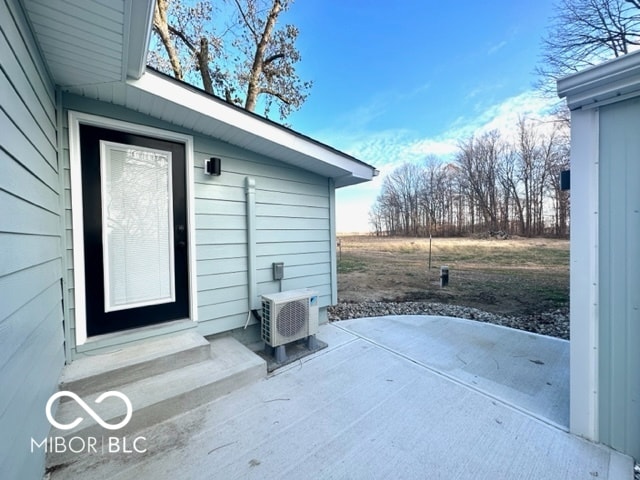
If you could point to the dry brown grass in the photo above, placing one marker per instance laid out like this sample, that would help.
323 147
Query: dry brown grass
515 276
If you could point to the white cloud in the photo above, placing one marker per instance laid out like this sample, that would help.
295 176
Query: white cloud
402 145
495 48
504 116
441 147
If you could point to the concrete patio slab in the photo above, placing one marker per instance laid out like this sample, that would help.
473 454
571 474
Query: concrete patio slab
363 409
526 370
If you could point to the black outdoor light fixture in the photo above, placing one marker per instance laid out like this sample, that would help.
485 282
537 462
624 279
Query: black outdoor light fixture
212 166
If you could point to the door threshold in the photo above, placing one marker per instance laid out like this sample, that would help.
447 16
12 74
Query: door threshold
113 341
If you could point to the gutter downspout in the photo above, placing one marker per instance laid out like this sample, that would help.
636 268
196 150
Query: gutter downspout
250 191
333 236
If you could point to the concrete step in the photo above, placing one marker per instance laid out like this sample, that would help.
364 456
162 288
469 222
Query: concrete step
163 396
107 371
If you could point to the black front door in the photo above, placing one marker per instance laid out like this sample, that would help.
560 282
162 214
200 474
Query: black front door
135 230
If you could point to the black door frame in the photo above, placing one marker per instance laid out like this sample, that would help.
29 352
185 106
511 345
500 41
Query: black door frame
100 322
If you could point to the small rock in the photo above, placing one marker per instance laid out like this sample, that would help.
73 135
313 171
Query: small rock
554 323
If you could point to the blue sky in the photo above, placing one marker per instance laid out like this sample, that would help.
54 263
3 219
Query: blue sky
398 81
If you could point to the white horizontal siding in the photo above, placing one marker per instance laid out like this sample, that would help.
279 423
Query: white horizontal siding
31 328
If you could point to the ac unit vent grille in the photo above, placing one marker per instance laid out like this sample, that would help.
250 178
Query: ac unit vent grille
289 316
292 318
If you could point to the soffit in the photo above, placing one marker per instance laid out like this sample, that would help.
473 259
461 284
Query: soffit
88 42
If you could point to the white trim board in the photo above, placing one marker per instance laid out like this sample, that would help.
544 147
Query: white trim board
584 274
75 119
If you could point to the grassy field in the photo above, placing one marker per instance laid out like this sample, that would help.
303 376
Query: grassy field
514 276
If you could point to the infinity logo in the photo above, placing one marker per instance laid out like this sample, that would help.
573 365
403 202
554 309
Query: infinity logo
89 410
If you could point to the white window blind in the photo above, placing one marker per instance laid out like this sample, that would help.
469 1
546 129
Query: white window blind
137 226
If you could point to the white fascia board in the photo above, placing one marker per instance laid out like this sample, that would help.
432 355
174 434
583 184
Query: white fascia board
598 85
252 125
137 35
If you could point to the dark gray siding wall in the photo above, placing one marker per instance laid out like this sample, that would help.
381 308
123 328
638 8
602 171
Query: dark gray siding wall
619 264
31 326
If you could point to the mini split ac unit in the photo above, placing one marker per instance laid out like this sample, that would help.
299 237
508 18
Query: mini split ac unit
289 316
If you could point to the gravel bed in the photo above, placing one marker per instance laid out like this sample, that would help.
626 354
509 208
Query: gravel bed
554 323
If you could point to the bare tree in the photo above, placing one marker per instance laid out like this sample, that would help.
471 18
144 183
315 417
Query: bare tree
558 162
188 43
493 186
249 60
479 161
526 154
587 32
270 58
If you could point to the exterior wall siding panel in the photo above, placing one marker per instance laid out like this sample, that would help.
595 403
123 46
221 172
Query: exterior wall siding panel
619 328
292 226
293 218
31 332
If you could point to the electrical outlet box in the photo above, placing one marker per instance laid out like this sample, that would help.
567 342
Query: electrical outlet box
278 270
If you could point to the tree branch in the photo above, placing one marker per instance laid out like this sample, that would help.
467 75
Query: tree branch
182 37
276 94
246 21
161 28
203 65
258 59
275 57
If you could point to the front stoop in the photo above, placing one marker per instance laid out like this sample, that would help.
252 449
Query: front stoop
191 372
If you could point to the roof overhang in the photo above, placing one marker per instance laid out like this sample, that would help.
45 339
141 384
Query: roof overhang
603 83
187 107
98 49
87 42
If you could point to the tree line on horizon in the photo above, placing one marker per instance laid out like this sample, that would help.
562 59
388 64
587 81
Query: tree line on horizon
493 184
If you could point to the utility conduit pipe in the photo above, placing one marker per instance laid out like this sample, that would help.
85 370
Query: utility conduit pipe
250 191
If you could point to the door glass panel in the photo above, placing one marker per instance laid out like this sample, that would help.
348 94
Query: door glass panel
137 233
